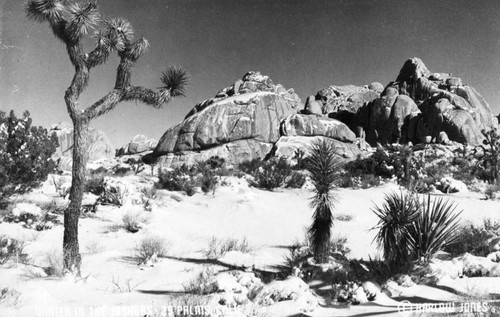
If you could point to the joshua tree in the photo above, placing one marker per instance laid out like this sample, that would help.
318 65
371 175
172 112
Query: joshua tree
322 164
71 22
491 156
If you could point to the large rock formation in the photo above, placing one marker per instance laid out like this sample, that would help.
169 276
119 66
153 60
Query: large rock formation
245 121
139 144
99 146
419 106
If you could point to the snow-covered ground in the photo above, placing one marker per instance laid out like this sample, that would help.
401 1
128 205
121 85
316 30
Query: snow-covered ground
270 221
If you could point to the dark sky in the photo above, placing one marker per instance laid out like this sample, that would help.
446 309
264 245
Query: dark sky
305 45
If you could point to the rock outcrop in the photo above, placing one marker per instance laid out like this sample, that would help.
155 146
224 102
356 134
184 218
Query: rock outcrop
245 121
99 146
419 107
139 144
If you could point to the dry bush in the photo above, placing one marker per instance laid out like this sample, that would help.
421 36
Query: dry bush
217 247
150 246
203 283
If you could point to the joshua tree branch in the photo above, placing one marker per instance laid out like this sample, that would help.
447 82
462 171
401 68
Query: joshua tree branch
104 105
152 97
97 57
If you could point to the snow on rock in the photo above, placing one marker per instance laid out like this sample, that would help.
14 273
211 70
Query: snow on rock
359 296
450 185
476 265
227 282
238 258
26 209
372 289
291 289
494 256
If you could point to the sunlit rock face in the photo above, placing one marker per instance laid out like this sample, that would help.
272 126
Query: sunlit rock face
245 121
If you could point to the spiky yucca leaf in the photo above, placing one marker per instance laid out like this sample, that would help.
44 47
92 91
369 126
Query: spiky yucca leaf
396 218
82 19
321 165
138 48
121 27
175 80
45 10
436 226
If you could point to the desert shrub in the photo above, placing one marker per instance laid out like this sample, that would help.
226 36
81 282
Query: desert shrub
272 174
11 249
491 189
474 239
94 183
179 179
369 181
377 164
345 181
53 263
133 221
410 229
116 196
215 162
25 154
208 178
203 283
136 165
298 254
127 285
93 247
338 245
122 170
300 158
250 166
322 165
149 192
150 246
218 247
296 180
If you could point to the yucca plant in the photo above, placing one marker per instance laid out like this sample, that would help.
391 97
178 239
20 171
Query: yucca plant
436 226
396 218
322 164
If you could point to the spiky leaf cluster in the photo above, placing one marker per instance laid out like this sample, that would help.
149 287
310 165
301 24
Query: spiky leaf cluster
322 164
412 229
175 80
396 216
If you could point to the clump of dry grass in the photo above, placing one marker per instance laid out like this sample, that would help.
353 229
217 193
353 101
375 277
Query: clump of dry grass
218 247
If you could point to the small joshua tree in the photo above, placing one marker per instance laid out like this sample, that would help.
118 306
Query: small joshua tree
71 22
492 153
321 165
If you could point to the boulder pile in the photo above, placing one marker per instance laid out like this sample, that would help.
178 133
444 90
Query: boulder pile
248 120
419 107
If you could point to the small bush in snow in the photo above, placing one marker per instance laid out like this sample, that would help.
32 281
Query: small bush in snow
217 248
179 179
133 220
203 283
271 174
11 249
150 246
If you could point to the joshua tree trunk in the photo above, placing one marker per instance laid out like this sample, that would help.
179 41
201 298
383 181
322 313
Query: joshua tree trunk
70 22
71 253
